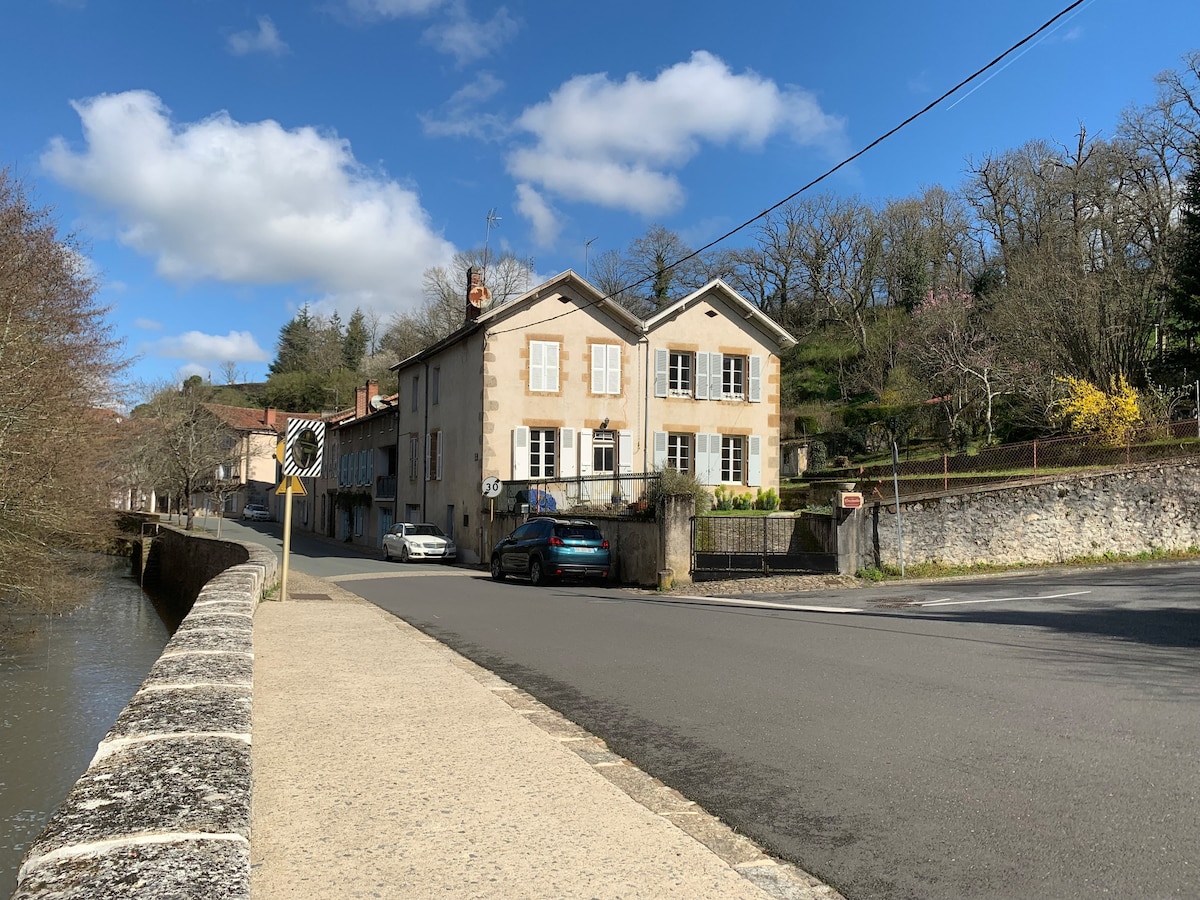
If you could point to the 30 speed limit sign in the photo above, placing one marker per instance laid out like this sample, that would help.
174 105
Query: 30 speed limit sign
491 487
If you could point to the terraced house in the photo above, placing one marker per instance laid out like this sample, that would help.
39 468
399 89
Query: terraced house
565 390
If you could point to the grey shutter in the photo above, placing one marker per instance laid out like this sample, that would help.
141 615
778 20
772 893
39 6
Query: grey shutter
754 460
661 364
716 388
520 453
754 383
702 376
567 460
659 459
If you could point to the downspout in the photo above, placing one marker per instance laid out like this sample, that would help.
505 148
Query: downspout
645 340
428 461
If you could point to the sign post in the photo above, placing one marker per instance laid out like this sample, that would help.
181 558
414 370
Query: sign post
304 448
491 490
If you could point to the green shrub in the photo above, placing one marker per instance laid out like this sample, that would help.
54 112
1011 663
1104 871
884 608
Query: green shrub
743 501
673 483
723 498
768 500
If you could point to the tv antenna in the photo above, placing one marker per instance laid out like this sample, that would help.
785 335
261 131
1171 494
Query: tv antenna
586 247
492 219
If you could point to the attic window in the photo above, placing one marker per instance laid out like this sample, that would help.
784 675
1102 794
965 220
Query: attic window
711 313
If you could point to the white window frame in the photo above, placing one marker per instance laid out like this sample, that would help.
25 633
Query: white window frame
679 446
680 362
733 459
733 378
543 444
543 367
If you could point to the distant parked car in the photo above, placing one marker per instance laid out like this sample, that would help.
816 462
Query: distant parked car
408 541
256 512
543 549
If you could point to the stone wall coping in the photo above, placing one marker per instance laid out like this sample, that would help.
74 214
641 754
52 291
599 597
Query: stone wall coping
163 809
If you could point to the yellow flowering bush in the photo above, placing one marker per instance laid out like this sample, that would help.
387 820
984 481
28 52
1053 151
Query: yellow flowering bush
1112 415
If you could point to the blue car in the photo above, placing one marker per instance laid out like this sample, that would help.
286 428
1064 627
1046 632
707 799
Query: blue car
544 549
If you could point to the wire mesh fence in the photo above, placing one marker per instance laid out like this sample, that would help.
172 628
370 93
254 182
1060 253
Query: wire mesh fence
1048 456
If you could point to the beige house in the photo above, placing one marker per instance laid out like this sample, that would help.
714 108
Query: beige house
562 385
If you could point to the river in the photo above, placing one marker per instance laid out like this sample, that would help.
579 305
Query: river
62 685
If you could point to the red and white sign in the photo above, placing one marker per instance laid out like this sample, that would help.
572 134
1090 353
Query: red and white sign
849 500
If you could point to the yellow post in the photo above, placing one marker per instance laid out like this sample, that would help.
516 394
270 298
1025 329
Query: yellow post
287 537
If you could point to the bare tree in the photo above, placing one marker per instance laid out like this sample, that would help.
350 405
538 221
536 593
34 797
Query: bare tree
58 365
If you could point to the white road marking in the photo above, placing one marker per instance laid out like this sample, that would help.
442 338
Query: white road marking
762 604
946 601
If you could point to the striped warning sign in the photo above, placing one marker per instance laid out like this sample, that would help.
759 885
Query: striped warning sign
304 448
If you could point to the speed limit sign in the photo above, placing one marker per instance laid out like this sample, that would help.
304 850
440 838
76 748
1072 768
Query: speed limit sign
491 487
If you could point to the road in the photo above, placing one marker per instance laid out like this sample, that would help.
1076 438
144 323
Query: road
1015 737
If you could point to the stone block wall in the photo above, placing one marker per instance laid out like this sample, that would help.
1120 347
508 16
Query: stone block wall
164 808
1134 510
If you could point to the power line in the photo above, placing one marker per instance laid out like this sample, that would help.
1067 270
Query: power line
845 162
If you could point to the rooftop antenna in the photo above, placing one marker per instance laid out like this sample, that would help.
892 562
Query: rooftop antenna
587 246
492 219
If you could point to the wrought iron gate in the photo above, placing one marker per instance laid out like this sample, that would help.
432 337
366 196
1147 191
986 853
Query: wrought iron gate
735 545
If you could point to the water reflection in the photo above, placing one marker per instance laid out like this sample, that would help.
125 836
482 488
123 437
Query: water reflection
63 682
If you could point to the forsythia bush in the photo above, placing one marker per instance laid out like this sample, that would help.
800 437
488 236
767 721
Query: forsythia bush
1112 415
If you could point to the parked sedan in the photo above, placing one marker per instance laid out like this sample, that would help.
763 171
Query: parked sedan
256 512
408 541
543 549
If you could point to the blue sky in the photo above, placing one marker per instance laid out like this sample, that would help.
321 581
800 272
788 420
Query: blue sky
227 162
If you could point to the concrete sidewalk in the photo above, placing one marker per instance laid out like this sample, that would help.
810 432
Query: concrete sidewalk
386 765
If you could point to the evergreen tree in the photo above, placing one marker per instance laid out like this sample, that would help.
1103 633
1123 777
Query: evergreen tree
295 345
355 341
1185 272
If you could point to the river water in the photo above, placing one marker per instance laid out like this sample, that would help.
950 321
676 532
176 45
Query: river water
63 682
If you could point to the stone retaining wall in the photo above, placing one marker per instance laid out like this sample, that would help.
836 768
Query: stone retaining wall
164 808
1135 510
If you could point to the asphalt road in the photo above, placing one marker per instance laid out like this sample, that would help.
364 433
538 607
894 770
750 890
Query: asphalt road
1027 737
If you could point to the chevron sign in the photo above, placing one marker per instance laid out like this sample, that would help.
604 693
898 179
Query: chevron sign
304 448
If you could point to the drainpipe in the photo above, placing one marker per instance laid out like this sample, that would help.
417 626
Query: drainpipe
428 462
644 340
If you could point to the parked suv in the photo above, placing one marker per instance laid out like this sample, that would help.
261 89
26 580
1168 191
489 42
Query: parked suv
545 548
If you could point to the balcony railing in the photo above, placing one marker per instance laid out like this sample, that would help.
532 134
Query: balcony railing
385 487
620 493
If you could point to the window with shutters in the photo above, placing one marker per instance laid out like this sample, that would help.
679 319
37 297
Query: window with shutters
433 458
416 392
679 452
733 460
606 368
733 377
414 446
679 374
543 454
543 366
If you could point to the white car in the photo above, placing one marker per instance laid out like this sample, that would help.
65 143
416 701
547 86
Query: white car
408 541
256 512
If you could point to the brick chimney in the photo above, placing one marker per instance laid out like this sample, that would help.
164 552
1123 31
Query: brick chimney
360 402
478 295
269 416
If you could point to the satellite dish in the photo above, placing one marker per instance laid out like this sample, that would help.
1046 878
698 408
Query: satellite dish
479 296
377 402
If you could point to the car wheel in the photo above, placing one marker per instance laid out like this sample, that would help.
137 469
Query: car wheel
404 554
497 569
387 554
537 572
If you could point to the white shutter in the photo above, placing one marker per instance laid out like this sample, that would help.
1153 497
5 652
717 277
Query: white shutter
599 361
754 460
567 460
625 452
716 389
701 376
428 450
754 386
438 476
585 451
552 367
659 459
661 377
520 453
703 473
614 369
537 366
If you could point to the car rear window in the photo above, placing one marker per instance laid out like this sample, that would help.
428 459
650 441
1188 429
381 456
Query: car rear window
578 532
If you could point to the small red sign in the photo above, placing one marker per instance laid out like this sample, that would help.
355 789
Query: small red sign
850 500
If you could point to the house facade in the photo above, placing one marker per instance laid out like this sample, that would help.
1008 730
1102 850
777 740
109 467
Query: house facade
562 385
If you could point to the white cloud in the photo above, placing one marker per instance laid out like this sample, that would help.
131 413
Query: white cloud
614 143
148 324
460 116
544 219
265 40
468 39
391 9
196 346
251 203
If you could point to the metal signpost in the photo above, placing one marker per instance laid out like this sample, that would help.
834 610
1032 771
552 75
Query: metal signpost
491 490
304 448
